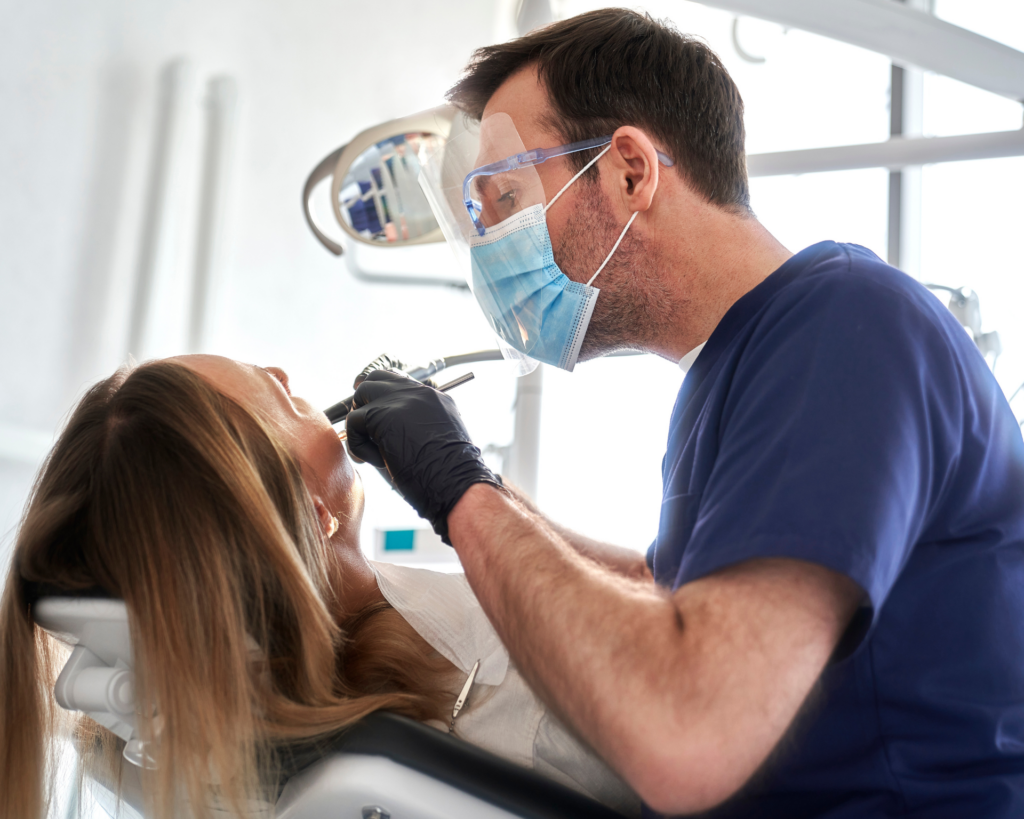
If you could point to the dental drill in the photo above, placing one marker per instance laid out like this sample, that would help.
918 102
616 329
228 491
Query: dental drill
337 412
462 379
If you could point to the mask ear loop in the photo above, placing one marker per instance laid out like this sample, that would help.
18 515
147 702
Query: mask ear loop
622 235
614 247
582 171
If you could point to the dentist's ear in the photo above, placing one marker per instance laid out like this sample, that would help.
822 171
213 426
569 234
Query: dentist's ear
634 161
328 522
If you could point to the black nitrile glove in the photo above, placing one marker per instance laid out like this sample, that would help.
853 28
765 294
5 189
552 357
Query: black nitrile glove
386 362
415 433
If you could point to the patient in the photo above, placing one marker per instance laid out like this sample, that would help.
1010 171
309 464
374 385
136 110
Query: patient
225 512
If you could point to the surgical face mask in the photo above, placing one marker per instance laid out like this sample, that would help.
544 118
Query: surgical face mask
529 302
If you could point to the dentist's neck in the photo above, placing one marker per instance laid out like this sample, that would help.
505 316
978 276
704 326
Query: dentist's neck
707 265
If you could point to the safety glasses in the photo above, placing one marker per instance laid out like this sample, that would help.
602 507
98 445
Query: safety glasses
475 187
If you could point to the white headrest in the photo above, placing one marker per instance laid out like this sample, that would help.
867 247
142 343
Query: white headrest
99 624
97 677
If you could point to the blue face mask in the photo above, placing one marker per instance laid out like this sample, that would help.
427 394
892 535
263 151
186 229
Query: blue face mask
531 304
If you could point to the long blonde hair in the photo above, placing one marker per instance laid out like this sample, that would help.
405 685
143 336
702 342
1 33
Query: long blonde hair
165 493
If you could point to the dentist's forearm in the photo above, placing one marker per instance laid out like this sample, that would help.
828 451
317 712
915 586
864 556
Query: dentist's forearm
582 636
627 562
620 560
685 695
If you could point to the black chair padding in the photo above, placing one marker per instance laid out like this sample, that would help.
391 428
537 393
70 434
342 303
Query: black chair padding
451 760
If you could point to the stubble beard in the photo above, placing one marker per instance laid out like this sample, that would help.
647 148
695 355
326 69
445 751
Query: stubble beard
634 306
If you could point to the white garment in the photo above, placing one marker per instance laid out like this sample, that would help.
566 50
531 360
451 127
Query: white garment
687 360
502 714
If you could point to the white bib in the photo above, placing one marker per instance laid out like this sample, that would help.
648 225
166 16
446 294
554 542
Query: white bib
445 612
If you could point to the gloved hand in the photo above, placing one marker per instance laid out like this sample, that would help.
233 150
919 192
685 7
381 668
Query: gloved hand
415 433
387 362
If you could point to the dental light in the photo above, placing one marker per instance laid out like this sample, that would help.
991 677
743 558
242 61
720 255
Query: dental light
388 234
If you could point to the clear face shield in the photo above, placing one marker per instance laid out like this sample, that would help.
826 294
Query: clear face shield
466 200
477 179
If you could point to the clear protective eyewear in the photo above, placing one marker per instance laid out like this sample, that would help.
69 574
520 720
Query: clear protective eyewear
489 202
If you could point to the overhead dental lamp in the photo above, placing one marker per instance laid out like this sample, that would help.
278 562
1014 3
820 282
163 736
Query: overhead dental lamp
382 223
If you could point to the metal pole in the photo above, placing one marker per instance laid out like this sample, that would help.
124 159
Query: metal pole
221 106
903 153
524 451
895 177
911 177
155 247
906 109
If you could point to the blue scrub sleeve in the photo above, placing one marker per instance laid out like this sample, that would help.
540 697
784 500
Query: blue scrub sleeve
837 418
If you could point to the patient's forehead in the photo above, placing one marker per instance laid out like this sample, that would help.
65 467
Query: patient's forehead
233 378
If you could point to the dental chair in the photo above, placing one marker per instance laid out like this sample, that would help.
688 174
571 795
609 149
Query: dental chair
384 767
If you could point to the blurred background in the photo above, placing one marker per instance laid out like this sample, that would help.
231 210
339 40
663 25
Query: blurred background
152 158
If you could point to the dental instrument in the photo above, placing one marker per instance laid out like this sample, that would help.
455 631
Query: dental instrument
337 412
463 695
343 435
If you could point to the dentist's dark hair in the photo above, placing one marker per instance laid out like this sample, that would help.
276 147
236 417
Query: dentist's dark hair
614 67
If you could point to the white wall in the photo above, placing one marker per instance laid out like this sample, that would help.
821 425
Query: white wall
78 94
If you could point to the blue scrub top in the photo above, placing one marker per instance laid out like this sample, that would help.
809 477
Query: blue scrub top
840 415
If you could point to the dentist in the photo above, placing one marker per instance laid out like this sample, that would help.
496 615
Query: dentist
830 622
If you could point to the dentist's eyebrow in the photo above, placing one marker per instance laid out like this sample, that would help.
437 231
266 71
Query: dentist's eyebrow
483 183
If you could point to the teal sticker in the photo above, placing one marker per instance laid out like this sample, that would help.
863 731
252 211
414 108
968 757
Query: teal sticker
399 540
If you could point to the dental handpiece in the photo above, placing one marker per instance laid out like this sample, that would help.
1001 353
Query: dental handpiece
337 412
451 385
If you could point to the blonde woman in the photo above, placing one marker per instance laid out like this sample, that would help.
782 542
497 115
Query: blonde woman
220 508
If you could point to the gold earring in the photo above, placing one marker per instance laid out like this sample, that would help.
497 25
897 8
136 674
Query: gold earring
332 527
